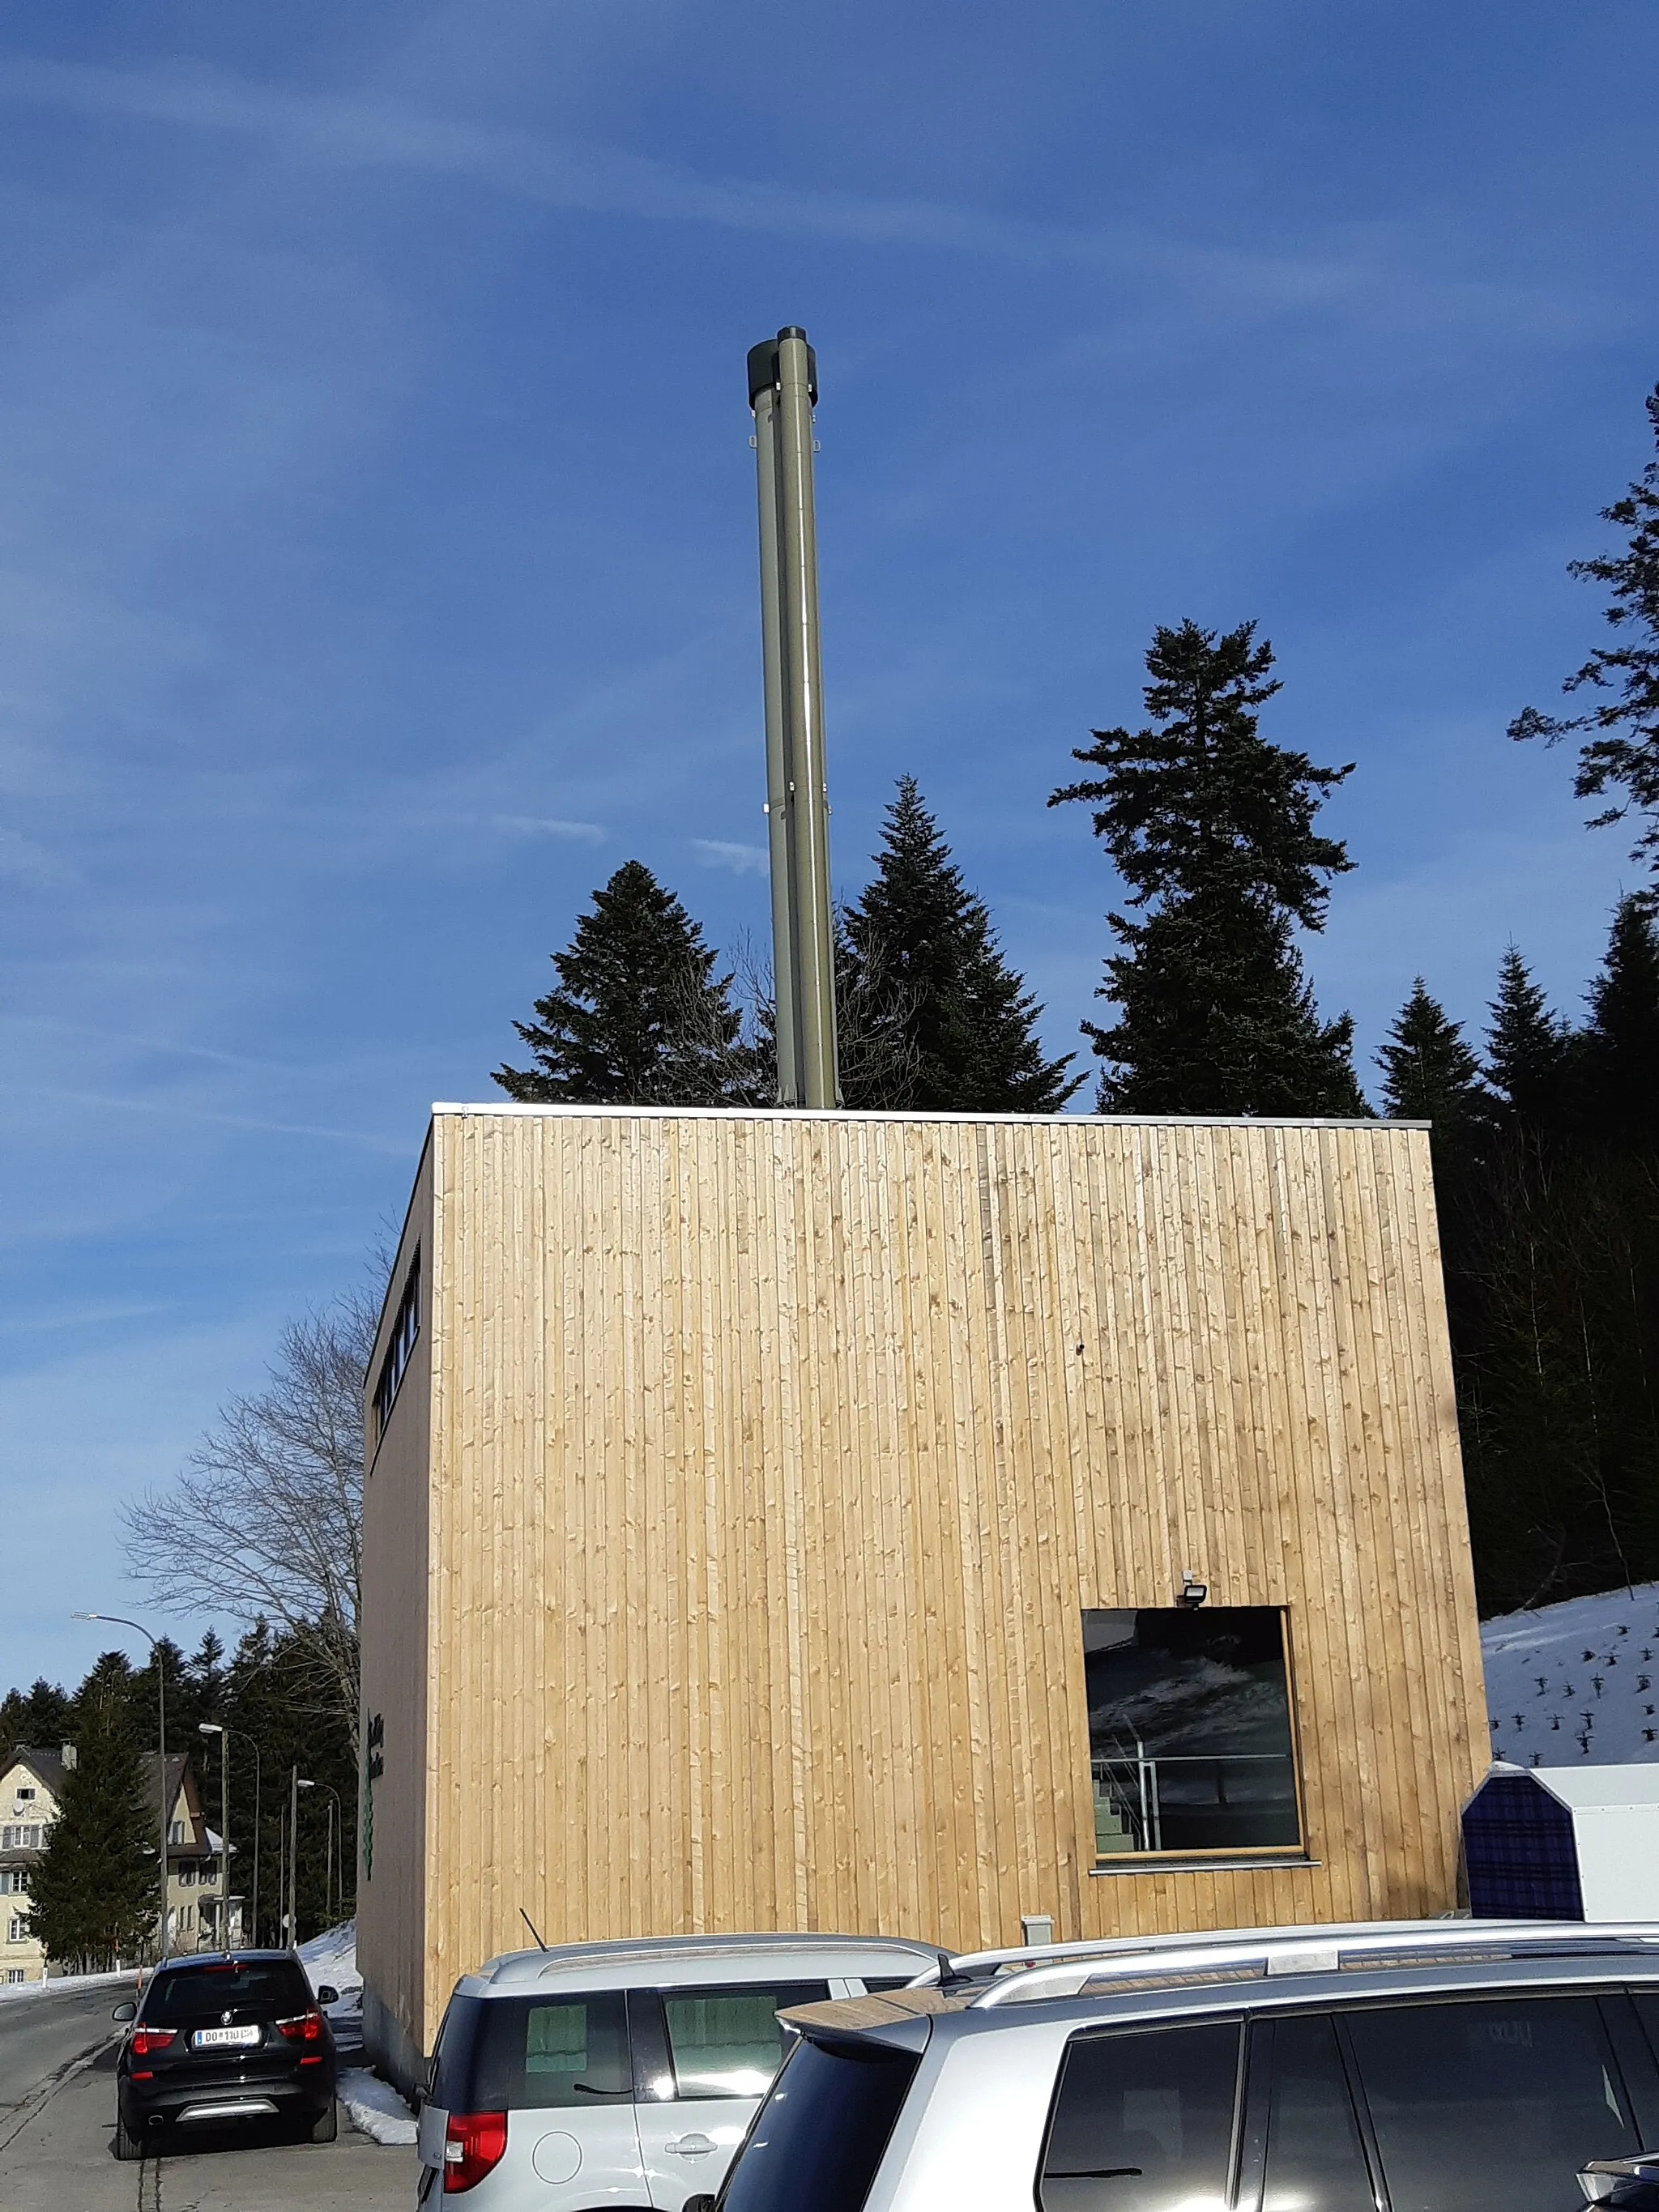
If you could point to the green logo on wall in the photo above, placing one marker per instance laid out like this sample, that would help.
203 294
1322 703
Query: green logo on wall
374 1768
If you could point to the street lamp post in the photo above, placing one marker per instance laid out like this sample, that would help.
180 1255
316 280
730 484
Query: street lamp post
217 1728
119 1621
336 1826
259 1776
296 1783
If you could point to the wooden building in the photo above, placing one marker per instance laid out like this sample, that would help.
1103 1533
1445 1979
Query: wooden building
906 1524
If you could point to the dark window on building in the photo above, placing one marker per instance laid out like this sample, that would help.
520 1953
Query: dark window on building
1190 1747
818 2139
729 2043
1315 2161
1143 2122
404 1330
1492 2106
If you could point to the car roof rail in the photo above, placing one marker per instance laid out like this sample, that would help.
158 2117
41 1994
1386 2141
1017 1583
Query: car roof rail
1033 1974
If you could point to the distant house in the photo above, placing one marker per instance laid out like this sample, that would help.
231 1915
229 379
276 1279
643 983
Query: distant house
30 1790
31 1800
194 1887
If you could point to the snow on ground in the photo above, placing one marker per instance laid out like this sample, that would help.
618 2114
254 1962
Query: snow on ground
331 1957
1576 1682
61 1984
375 2107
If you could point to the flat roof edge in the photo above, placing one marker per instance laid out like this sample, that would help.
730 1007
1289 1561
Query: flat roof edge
512 1106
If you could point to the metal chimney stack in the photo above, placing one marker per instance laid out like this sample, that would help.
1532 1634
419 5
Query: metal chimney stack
783 389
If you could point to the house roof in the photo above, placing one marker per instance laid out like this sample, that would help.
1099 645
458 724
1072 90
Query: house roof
1592 1789
49 1769
47 1766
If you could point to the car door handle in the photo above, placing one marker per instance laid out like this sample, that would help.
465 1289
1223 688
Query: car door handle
692 2146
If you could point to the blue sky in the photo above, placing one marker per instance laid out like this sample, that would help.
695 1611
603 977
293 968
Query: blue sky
377 563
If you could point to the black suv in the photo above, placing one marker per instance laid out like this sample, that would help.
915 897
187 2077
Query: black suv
219 2037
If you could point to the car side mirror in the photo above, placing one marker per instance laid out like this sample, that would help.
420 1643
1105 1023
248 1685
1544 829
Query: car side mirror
703 2204
127 2011
1627 2184
328 1995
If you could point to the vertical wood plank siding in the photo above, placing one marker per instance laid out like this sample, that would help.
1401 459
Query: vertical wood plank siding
398 1613
773 1458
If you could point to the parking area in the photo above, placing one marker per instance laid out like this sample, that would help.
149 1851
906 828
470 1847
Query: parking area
57 2113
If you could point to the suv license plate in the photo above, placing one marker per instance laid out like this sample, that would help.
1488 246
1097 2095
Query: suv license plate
217 2039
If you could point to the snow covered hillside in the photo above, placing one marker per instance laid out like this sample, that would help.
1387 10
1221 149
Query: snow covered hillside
1578 1681
332 1957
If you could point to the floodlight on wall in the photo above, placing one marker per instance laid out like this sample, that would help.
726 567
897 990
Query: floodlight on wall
1193 1592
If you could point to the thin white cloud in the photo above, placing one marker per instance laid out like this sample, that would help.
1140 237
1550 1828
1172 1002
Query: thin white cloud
1365 274
170 1109
742 859
541 825
584 177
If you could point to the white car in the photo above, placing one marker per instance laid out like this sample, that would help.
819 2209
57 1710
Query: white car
607 2078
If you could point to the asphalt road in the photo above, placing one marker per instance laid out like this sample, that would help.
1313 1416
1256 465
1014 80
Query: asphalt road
57 2113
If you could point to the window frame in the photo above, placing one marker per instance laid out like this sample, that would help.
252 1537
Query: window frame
1610 2000
401 1340
1299 1853
652 2045
1245 2081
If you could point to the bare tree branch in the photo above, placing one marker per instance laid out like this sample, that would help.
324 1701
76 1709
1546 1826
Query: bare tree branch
264 1519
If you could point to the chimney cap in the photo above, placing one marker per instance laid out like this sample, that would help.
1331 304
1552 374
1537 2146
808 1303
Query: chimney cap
763 365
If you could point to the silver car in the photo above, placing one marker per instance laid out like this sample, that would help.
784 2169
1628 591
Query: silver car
623 2075
1419 2067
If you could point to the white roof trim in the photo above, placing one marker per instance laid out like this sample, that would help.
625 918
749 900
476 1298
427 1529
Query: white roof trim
511 1106
1629 1786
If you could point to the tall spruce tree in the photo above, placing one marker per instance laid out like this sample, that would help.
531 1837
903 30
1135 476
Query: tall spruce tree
271 1700
639 1015
1530 1054
923 949
94 1895
1620 1050
1212 829
1430 1074
1622 753
39 1718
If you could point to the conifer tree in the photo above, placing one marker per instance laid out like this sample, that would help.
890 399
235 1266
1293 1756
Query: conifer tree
1212 830
1431 1074
39 1719
1529 1053
94 1895
1622 755
920 944
1620 1050
638 1016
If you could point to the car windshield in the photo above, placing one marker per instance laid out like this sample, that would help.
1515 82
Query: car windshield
269 1987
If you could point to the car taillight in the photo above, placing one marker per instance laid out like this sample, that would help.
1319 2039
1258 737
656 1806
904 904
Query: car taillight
303 2027
146 2040
473 2143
